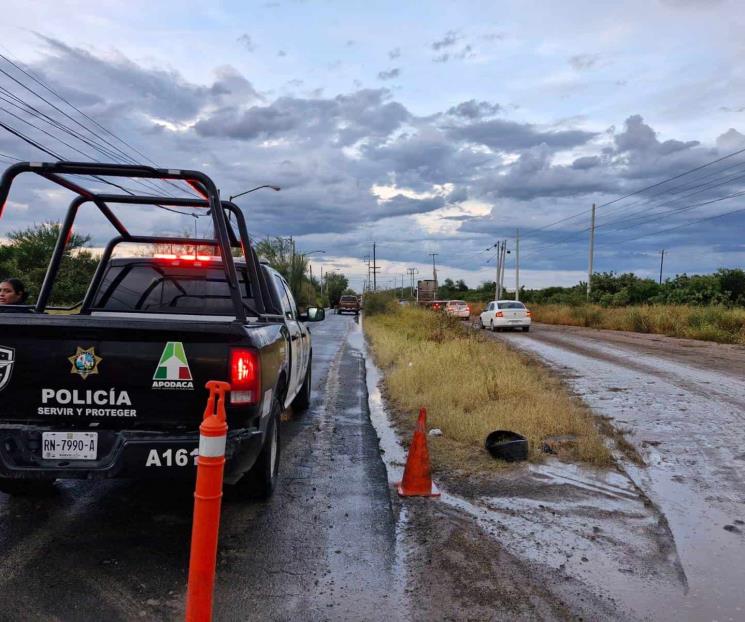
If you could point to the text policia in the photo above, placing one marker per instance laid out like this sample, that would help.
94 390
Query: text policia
85 403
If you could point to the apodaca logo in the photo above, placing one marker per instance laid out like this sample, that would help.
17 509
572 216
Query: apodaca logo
173 370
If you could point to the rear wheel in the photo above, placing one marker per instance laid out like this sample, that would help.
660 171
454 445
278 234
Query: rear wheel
526 329
26 487
493 328
260 481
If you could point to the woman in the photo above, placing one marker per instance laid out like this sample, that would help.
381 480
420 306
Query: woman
12 292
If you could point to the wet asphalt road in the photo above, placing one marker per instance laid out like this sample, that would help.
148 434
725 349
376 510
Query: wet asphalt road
322 548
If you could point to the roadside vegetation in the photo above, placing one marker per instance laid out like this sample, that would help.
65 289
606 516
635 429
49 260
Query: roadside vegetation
709 307
471 386
709 323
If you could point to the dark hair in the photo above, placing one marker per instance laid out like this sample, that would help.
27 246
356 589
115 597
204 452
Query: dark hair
18 287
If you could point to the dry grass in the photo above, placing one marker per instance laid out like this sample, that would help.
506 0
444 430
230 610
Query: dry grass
472 386
713 323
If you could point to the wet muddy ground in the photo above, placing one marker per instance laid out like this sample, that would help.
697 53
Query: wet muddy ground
682 404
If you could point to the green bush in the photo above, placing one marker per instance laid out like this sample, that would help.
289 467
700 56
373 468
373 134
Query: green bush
376 303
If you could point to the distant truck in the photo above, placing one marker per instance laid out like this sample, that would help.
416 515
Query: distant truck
426 291
348 304
114 387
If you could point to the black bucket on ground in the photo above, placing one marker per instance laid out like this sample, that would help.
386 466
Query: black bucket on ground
506 445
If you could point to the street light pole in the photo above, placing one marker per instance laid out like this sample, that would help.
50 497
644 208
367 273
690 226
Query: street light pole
240 194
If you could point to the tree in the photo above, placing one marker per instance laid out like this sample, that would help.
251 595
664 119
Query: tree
27 256
336 284
280 254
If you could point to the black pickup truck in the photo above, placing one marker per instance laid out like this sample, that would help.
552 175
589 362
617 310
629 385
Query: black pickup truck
115 386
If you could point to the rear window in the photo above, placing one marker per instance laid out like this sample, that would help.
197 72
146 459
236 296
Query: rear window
159 288
349 298
457 303
511 305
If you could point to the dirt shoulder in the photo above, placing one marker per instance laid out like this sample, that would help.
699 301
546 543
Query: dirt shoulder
716 357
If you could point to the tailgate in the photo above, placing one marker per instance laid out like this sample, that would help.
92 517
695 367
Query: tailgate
114 372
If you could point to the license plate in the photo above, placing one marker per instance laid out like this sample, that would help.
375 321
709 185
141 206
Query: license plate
69 445
514 321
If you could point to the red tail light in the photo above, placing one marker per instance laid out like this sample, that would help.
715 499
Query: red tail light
528 313
469 309
245 376
499 314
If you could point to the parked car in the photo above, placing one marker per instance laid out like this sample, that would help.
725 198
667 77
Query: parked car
501 314
348 304
458 308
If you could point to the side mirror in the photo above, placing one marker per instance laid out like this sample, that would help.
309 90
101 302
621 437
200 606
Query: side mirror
313 314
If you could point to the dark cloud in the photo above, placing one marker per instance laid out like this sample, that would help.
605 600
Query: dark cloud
640 138
504 135
343 119
586 162
247 43
450 39
390 74
394 53
581 62
474 110
281 53
442 58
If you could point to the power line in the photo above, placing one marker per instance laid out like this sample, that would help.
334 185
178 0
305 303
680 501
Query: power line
639 191
30 75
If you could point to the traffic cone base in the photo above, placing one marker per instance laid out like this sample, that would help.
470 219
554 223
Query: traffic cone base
434 491
417 480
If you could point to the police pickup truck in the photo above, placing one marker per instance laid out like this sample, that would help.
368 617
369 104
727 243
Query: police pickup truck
115 386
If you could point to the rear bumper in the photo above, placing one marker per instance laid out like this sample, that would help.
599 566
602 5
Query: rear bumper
122 454
507 322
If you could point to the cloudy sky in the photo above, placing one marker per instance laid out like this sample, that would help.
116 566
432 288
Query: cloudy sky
427 127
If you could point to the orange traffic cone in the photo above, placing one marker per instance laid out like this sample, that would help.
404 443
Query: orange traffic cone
417 481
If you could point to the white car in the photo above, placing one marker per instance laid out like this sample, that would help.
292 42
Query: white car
500 314
458 308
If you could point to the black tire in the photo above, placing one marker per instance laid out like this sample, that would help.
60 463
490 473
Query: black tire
481 323
26 487
526 329
261 480
302 399
493 328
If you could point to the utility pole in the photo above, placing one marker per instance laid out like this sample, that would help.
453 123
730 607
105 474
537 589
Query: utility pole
662 259
497 291
412 272
502 265
375 268
517 264
434 270
592 252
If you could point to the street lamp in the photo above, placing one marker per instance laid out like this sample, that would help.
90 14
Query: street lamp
240 194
